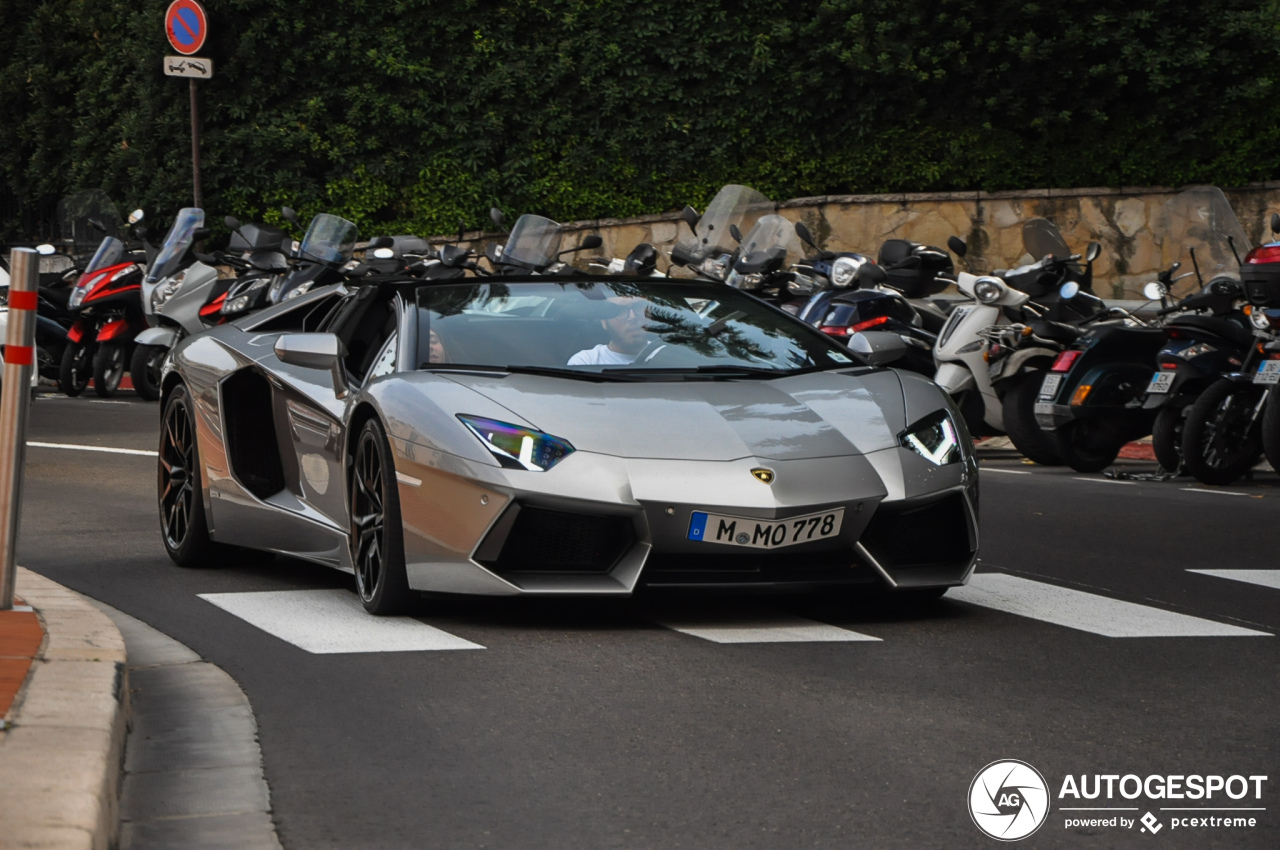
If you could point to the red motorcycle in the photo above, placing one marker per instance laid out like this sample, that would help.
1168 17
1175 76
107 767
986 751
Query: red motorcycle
107 314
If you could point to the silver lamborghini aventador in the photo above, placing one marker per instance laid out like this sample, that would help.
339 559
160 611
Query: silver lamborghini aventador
560 436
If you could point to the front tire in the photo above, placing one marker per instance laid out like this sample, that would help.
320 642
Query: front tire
1019 408
377 537
144 369
76 366
108 368
1218 444
1166 438
1087 445
183 525
1271 430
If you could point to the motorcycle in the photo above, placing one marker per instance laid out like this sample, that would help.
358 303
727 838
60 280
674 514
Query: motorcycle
533 247
258 254
318 260
710 252
762 265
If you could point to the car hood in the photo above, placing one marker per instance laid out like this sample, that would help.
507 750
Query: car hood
825 414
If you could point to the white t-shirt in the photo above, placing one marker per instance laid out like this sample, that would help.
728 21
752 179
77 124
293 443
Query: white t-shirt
601 355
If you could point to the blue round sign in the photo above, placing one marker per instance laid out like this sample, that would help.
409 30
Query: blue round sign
186 25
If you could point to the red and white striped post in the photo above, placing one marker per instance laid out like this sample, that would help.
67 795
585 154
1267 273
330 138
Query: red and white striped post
15 394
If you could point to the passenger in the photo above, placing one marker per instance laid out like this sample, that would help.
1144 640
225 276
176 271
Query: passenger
435 350
626 336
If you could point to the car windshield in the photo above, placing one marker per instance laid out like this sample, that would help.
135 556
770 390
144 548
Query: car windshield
1041 238
623 328
1200 219
733 204
329 239
534 243
109 252
181 237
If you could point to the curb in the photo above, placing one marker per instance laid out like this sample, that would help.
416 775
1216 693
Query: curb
61 755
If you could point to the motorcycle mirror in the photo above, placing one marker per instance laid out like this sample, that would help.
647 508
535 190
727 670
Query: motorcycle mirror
802 230
592 241
97 225
1069 290
136 216
1153 291
462 229
871 275
46 249
381 242
495 215
200 233
957 246
1091 253
735 233
453 256
1275 222
290 216
1173 268
231 222
690 217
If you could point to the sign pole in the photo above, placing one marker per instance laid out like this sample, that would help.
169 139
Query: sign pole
195 146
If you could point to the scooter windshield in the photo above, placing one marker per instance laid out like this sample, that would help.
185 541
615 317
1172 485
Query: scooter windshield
733 204
772 242
74 213
109 253
1200 219
176 244
1041 237
534 243
329 239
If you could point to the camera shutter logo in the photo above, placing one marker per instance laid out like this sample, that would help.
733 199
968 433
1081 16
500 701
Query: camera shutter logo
1008 800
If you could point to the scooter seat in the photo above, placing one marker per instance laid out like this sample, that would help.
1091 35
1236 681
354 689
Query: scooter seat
1056 331
1223 328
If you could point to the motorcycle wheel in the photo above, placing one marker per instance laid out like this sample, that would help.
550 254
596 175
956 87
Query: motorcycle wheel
144 369
1166 438
1218 444
1087 445
1019 404
73 374
108 368
1271 430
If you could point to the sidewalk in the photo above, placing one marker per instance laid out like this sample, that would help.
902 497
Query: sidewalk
64 691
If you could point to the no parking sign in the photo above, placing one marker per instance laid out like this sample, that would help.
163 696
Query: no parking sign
186 25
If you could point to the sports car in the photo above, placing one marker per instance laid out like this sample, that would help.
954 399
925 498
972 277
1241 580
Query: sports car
571 436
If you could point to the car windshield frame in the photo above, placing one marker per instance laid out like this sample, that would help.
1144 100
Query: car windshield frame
541 325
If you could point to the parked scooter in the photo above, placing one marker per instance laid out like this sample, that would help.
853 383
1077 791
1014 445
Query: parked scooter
533 247
327 246
763 264
258 253
710 252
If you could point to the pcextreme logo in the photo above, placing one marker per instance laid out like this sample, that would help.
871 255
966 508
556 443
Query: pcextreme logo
1008 800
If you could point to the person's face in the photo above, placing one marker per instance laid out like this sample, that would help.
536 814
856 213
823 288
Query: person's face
436 349
626 330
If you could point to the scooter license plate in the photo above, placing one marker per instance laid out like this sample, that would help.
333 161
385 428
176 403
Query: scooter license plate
1050 386
1160 383
1268 373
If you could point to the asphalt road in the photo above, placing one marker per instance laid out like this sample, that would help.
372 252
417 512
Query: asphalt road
592 725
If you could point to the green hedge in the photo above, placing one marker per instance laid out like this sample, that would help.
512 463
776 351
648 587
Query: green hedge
410 115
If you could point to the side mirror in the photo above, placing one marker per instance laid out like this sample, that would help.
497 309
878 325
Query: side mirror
1275 222
870 275
957 246
802 230
136 216
878 347
200 233
315 351
96 225
690 217
290 216
495 215
381 242
453 256
462 229
231 222
735 233
1091 253
1069 290
592 241
1153 291
46 249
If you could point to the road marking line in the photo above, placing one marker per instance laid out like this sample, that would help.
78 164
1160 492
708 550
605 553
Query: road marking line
1086 612
756 625
1103 480
1265 578
332 621
107 449
1204 490
1005 471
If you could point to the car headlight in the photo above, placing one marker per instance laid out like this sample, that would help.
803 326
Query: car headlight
843 271
517 447
934 438
988 290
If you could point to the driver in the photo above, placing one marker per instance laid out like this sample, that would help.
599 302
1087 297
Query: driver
627 336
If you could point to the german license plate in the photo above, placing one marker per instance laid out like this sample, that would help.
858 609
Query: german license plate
764 534
1268 373
1160 383
1050 386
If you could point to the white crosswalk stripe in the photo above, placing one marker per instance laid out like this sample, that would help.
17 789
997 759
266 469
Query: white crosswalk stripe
743 624
1087 612
1265 578
332 621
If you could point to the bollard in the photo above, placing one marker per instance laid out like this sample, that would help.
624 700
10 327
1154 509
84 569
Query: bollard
15 393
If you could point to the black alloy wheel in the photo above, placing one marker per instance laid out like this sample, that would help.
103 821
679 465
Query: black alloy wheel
377 537
1019 413
1220 441
108 368
183 525
1087 445
1166 437
144 369
76 367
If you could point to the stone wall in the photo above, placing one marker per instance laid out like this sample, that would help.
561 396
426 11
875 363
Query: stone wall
1129 223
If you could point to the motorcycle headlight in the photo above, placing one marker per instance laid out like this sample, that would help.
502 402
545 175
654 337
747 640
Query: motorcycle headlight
296 291
715 266
934 438
988 290
516 447
1192 351
1258 318
162 293
745 281
235 305
843 271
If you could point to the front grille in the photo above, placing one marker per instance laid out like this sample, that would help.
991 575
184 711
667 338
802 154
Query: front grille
752 567
933 534
546 541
